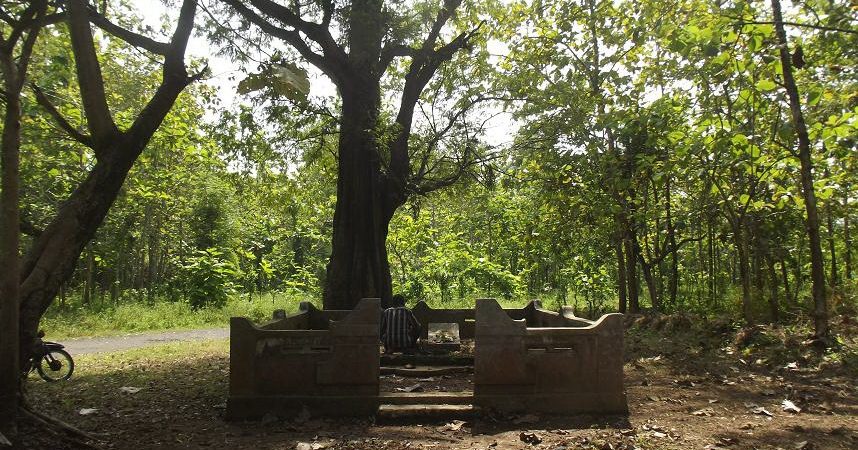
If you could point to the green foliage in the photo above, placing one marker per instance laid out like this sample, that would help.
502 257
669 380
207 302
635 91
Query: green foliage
207 278
669 135
281 79
131 314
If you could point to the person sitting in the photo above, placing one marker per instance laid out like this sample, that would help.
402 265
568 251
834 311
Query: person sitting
399 328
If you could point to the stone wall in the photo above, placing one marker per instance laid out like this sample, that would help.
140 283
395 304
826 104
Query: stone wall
560 368
324 361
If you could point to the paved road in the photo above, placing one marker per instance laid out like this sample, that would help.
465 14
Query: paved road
84 346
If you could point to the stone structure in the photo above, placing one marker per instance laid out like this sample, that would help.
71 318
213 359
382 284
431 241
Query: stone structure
328 362
324 361
540 361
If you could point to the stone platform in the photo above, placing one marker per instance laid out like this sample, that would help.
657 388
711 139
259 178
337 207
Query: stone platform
328 363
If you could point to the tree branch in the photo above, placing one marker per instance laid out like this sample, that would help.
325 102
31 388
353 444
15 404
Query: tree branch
327 12
440 20
130 37
391 51
30 41
18 26
795 24
175 76
319 33
293 38
423 67
174 59
98 117
43 100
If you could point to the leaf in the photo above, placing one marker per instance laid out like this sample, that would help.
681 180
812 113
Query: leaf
705 412
284 79
762 411
789 406
813 96
455 425
766 85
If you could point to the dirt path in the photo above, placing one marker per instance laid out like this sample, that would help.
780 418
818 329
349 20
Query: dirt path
83 346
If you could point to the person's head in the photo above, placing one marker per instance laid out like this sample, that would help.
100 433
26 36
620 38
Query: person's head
397 300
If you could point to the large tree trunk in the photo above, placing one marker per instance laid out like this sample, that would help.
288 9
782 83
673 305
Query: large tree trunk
9 237
21 40
358 266
817 264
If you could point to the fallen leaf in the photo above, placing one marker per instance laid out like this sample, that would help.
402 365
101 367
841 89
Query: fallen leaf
455 425
789 406
87 411
706 412
413 388
762 411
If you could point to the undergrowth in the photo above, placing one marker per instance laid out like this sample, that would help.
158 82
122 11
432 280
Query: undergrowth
104 319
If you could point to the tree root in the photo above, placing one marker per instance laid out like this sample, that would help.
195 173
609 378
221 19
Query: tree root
54 425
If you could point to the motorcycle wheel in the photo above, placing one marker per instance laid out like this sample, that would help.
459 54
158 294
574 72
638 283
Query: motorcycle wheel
56 365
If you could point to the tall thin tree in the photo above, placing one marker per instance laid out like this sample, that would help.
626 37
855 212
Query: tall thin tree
817 263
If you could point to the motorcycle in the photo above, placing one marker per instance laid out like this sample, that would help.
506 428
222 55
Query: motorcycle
50 360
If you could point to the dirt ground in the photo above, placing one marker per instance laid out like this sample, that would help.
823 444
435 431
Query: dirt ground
724 390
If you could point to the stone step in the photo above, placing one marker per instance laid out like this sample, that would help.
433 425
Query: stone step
425 371
426 360
426 398
404 413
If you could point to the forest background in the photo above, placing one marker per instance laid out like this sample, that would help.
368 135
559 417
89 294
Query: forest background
651 164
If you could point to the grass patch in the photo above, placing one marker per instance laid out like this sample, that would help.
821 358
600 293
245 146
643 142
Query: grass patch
106 319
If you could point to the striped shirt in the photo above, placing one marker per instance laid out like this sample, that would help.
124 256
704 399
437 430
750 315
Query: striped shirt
399 329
